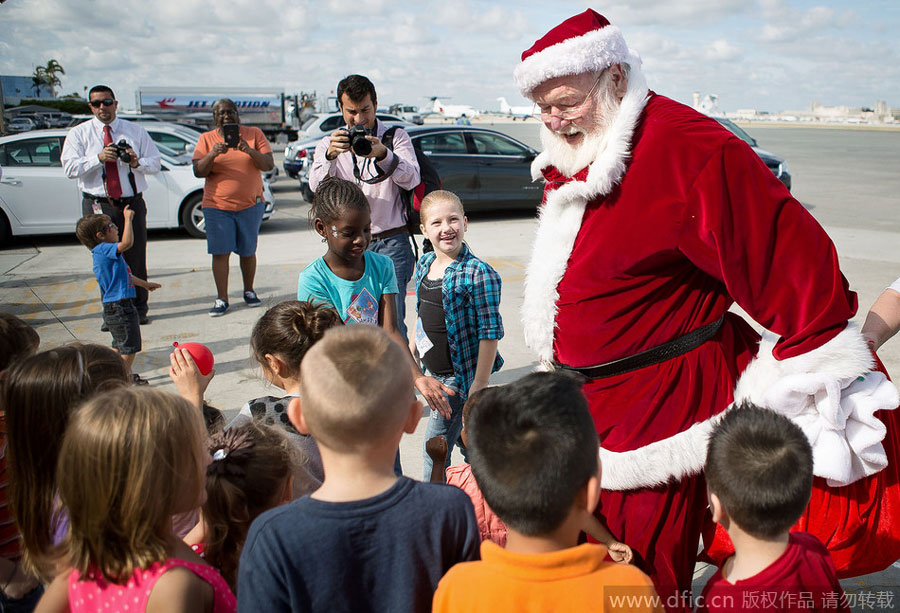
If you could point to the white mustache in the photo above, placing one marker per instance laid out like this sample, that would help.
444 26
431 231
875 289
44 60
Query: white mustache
570 130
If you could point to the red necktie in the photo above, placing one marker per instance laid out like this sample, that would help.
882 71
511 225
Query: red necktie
113 186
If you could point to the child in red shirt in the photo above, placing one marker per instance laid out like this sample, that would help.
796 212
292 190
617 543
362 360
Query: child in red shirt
759 471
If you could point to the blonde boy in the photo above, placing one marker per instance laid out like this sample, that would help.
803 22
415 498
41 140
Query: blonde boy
458 307
366 539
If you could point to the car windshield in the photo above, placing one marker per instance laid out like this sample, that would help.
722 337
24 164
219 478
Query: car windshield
736 130
173 157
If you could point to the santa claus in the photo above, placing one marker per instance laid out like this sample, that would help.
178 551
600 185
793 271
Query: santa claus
655 221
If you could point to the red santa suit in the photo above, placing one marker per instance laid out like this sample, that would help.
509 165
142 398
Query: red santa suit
675 221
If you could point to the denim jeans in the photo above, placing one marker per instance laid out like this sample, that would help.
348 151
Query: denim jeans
450 428
399 249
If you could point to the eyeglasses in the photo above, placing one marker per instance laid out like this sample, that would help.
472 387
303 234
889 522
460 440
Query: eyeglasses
226 112
569 112
111 226
105 102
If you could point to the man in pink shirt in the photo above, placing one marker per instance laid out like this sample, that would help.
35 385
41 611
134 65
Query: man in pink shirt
381 173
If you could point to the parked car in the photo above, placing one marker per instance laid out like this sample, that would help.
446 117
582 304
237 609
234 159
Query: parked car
19 124
171 135
36 197
775 163
487 169
183 140
407 113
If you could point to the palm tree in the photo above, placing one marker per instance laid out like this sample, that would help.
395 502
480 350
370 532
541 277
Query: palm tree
46 75
50 70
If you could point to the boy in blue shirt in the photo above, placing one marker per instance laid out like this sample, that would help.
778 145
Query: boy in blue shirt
366 539
99 234
458 307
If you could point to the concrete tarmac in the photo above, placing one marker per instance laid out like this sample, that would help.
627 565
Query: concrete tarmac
846 178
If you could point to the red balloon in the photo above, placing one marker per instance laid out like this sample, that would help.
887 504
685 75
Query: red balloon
203 357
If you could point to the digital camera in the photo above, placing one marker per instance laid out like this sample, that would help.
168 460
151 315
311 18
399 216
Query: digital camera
122 151
358 142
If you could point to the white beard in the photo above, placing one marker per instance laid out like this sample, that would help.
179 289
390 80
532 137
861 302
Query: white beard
569 159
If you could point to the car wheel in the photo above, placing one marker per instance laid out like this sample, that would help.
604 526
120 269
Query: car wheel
5 231
192 216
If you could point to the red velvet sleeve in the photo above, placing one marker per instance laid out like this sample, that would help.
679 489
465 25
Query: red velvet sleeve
743 227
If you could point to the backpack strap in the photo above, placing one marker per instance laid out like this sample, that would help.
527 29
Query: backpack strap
387 139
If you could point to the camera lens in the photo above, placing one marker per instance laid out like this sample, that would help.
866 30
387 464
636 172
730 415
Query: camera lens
358 141
361 146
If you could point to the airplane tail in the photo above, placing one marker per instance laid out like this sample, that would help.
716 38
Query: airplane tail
504 105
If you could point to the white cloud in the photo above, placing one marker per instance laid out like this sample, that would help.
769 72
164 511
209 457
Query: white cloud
771 54
679 13
722 51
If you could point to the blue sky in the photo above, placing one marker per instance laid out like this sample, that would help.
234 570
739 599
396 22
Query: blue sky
771 55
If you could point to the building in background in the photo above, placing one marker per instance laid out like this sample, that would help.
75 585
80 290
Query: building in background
16 88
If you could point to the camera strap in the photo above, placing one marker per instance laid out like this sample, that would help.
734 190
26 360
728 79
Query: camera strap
131 179
380 175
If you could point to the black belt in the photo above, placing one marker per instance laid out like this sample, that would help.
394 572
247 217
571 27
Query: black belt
382 235
123 201
661 353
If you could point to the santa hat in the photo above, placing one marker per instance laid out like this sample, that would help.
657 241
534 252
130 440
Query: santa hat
583 43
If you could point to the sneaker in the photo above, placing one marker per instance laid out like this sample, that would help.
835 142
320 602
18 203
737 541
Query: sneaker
136 379
219 308
104 327
143 319
252 299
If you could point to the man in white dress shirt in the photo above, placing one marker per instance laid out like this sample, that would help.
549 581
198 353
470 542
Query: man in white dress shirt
111 177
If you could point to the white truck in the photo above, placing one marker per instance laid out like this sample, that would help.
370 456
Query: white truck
270 110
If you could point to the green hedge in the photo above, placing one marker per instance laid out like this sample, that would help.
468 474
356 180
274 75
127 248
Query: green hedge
75 107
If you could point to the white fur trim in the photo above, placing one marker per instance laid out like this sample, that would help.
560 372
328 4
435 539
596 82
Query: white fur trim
591 52
561 217
832 395
846 356
829 392
670 459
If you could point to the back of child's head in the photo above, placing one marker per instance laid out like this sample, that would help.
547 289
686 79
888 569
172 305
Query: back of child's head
131 458
289 329
334 196
532 446
18 340
251 466
356 388
759 464
39 395
87 228
435 197
213 419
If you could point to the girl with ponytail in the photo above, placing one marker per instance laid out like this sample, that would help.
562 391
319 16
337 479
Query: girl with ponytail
280 339
251 471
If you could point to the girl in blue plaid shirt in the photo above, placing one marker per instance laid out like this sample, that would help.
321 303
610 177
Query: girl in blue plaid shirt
458 306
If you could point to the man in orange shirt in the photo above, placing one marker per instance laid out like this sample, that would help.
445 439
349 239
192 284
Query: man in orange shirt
535 455
233 203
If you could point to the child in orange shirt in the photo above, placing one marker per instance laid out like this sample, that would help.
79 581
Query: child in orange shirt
534 451
491 527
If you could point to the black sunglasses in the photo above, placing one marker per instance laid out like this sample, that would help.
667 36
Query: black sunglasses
105 102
